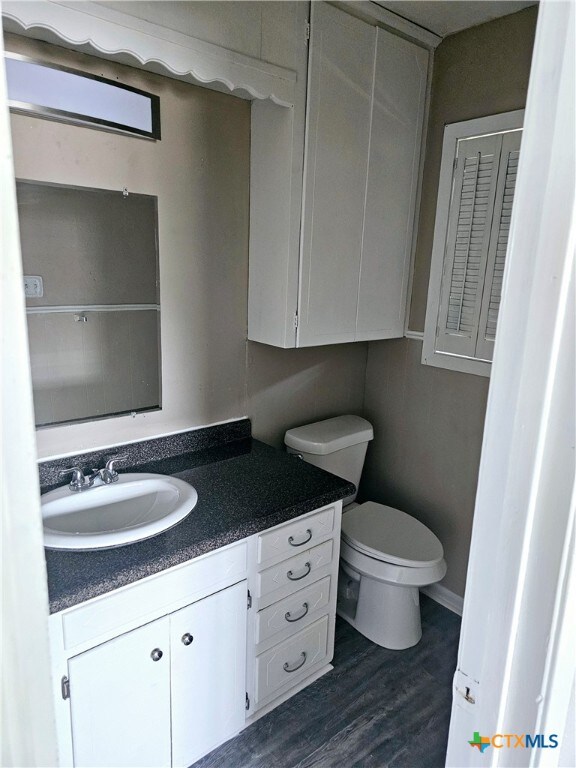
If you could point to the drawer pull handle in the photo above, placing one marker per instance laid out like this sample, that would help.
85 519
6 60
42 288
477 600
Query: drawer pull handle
307 569
156 654
288 616
300 543
297 665
187 639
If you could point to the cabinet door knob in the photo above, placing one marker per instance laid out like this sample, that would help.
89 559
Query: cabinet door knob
187 639
156 654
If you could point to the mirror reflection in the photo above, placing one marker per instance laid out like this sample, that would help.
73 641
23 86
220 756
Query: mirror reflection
90 259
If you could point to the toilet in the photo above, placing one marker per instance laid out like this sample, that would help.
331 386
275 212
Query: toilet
386 555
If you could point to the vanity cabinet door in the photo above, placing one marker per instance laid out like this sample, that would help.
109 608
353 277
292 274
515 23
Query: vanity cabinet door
208 670
120 700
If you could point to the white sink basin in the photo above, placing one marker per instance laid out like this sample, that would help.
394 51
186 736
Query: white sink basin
135 507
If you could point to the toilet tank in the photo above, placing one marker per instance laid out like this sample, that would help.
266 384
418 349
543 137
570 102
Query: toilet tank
337 445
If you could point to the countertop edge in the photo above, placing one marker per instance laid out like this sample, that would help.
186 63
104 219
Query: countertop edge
223 539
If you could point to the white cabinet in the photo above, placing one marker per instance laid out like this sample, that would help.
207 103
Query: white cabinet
154 673
340 77
294 656
398 105
160 672
120 707
292 574
365 110
208 673
166 693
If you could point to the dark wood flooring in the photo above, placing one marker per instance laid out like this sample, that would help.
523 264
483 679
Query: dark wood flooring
376 709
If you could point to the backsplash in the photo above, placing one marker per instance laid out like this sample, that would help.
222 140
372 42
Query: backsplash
145 451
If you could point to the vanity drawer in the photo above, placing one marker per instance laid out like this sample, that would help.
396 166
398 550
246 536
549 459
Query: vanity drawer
290 660
290 538
293 610
154 596
297 572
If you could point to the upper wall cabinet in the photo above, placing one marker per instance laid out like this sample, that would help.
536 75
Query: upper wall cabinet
364 120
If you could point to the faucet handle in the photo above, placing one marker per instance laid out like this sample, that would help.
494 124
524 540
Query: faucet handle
110 466
79 482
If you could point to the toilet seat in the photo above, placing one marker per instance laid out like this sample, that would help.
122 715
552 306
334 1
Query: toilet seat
391 536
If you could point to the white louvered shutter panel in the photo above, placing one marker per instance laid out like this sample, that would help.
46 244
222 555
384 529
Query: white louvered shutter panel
467 244
498 244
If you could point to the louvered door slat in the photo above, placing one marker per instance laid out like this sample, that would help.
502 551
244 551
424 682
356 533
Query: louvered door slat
498 245
468 237
480 161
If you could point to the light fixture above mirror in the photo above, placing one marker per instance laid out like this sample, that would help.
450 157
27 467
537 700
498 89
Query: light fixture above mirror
69 95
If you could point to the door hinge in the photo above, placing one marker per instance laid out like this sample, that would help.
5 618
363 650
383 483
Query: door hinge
65 687
295 319
307 32
455 165
249 600
247 701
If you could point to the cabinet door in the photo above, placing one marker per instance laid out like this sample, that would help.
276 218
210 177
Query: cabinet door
208 663
400 77
120 700
340 78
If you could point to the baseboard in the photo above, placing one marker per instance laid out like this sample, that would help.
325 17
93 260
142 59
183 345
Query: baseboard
445 597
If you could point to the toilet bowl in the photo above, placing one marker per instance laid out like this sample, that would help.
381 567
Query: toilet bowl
386 555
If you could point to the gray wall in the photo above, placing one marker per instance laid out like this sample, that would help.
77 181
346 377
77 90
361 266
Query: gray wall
200 173
424 459
478 72
289 387
429 421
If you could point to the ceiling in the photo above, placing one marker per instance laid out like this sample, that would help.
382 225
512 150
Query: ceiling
445 17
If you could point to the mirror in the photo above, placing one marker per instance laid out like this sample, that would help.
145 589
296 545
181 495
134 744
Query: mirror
90 260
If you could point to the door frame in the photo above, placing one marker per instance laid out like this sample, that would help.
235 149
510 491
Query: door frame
516 662
26 679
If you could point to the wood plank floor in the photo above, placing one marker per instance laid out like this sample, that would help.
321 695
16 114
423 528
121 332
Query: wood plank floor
376 709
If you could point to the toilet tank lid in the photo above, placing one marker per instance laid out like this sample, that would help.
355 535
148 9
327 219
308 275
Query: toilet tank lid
330 435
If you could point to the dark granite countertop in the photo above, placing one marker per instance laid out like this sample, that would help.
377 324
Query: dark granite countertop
243 486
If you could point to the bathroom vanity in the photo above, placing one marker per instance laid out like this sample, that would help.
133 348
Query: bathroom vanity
165 648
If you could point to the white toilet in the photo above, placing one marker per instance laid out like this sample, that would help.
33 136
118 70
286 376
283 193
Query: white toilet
386 555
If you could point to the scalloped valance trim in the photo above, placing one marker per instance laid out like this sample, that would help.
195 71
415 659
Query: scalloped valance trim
117 36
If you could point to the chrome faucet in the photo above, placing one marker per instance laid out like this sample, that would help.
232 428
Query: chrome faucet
82 482
108 474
